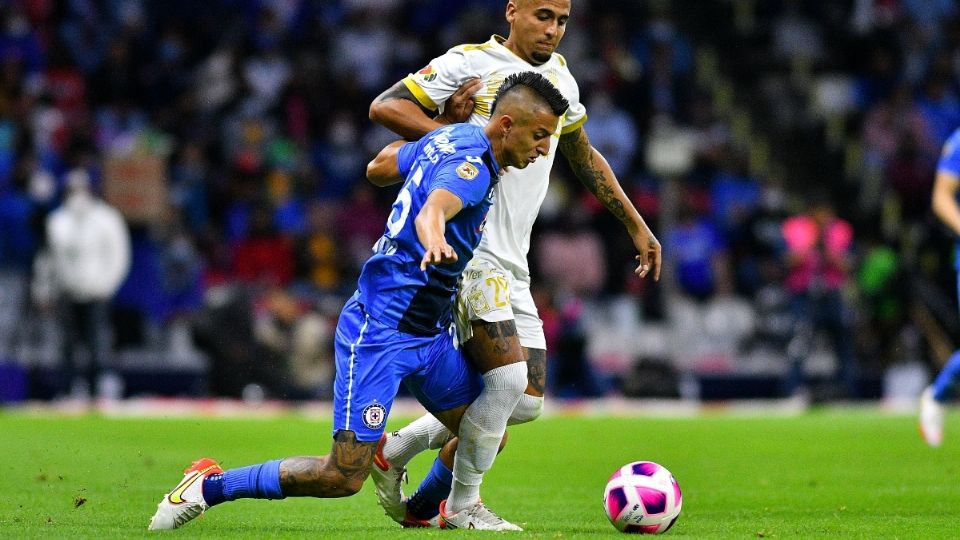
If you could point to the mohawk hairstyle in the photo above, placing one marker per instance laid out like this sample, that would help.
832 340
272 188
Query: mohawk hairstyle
538 84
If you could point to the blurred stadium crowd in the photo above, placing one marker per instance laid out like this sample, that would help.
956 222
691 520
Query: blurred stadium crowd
784 151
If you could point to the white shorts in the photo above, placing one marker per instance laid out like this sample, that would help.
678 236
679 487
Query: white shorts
487 293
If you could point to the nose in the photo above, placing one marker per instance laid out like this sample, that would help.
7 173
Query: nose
552 29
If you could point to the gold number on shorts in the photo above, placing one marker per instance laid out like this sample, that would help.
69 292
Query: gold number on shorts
499 284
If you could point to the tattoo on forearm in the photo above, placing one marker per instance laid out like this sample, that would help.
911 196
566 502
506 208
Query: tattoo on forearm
580 154
537 369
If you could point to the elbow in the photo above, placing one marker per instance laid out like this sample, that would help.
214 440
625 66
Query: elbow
376 112
372 175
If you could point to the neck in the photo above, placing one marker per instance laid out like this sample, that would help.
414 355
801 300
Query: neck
496 145
512 47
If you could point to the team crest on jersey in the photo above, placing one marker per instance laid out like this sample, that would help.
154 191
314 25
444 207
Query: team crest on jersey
374 415
427 73
478 300
467 171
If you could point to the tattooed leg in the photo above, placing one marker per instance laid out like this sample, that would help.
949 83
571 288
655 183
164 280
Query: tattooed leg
339 474
493 345
536 371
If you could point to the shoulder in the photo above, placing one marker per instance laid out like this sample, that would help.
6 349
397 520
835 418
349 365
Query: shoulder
472 48
952 146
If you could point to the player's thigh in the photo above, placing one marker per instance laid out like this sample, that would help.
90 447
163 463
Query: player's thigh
529 325
446 383
371 361
485 319
530 334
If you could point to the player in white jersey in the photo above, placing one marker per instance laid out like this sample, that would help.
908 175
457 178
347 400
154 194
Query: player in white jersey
498 321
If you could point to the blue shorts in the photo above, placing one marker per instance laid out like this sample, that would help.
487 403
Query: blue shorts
372 360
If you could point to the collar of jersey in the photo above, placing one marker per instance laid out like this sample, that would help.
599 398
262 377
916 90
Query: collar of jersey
498 40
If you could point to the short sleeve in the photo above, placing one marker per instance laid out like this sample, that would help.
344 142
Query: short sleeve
467 177
576 114
405 157
437 81
950 158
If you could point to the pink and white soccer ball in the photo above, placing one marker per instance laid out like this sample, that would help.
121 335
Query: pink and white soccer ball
642 497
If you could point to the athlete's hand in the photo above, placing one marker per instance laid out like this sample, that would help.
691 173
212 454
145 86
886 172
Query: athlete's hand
459 106
649 248
441 254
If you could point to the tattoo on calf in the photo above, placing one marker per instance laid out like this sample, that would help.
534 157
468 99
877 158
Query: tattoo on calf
537 369
351 457
308 475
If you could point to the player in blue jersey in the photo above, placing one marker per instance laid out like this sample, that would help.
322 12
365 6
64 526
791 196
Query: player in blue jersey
397 326
945 205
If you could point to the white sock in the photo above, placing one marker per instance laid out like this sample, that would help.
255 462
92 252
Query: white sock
481 429
424 433
528 409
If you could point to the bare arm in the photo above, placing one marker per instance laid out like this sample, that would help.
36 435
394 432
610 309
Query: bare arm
398 110
595 173
384 170
431 223
945 206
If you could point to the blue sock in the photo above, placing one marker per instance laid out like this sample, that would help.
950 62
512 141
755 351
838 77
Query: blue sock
435 487
254 482
944 383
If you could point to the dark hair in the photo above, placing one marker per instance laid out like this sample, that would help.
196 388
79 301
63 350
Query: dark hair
537 83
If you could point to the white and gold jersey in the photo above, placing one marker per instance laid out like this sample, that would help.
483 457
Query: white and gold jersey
506 238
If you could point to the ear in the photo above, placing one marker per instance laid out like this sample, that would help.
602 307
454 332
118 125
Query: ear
511 11
506 123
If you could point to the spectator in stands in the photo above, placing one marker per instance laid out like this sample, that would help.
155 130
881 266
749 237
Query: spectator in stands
90 249
819 261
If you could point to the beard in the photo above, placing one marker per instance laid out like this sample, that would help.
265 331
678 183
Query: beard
540 57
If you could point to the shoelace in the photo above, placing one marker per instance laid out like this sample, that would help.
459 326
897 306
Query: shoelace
480 512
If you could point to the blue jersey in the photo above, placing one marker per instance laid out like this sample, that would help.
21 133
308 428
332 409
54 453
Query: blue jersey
950 158
950 162
392 288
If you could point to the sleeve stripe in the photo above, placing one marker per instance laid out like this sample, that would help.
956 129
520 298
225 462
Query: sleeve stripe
574 126
418 93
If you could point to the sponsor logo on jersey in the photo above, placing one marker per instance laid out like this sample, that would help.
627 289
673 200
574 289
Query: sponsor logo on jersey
374 415
427 73
467 171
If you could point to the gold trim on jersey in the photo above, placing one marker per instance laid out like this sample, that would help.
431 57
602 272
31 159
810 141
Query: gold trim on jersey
574 126
418 93
474 46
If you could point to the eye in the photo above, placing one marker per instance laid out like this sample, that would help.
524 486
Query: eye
563 21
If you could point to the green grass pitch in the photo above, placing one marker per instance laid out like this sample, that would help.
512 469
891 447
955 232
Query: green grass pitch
828 473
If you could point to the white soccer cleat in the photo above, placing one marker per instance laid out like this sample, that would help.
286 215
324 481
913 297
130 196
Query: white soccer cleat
185 502
931 418
477 517
388 481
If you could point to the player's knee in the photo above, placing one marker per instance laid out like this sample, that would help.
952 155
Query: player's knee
353 486
528 409
510 378
341 485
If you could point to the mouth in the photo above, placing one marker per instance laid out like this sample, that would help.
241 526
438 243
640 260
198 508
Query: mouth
531 159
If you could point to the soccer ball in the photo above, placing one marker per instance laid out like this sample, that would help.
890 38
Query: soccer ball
642 497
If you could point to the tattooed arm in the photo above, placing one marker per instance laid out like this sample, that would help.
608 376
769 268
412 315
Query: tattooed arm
595 173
